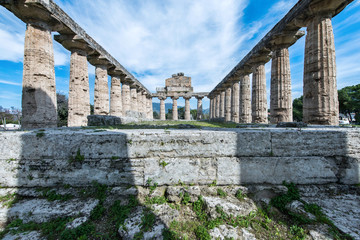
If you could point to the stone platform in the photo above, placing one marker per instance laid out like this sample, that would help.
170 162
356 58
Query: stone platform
77 157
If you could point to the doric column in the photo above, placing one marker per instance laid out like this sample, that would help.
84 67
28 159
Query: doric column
320 104
140 102
39 91
175 109
101 91
222 104
126 96
199 115
259 100
150 114
145 103
235 101
228 103
217 106
162 108
187 108
245 99
115 94
280 91
134 101
79 96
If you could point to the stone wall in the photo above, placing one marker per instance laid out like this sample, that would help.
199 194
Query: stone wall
121 157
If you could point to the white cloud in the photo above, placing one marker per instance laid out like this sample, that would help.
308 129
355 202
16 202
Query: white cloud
10 83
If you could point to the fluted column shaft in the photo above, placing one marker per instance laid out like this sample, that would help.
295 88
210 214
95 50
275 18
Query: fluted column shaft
320 104
175 109
227 114
235 102
140 101
39 107
162 109
199 114
187 109
115 96
210 108
134 102
79 96
222 104
217 106
259 100
101 91
145 104
245 100
126 97
150 108
280 93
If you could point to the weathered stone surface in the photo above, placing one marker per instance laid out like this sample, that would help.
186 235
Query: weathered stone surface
187 108
298 207
134 101
39 91
230 205
162 109
235 102
126 96
174 193
245 99
199 115
101 92
34 235
280 93
41 210
321 104
115 96
217 106
258 97
101 120
175 109
79 96
224 232
291 125
222 104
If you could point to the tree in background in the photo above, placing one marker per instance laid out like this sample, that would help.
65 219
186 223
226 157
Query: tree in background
193 113
62 109
349 101
156 115
298 109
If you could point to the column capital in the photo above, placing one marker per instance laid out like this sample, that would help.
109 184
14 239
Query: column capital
285 40
115 72
73 42
200 97
174 98
98 60
187 97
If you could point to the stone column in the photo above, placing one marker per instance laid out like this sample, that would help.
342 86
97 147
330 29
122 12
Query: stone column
245 99
115 95
222 104
101 91
150 107
280 93
126 96
199 115
39 106
134 102
320 104
210 108
79 96
228 104
145 104
235 102
140 102
187 108
175 108
217 106
162 108
259 100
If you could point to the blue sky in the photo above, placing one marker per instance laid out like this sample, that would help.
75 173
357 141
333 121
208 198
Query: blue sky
154 39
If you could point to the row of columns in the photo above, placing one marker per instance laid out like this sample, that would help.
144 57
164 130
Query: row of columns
320 100
187 108
39 88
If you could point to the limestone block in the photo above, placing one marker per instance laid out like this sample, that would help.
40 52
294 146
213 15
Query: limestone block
274 170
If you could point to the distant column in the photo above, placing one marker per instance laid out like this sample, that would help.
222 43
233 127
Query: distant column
39 107
101 91
145 103
245 99
199 115
150 107
126 96
175 108
187 108
228 104
259 100
235 102
280 91
321 104
79 96
134 102
222 103
217 106
140 100
115 95
210 108
162 108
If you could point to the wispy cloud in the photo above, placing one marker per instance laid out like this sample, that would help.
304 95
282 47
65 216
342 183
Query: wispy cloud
10 83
